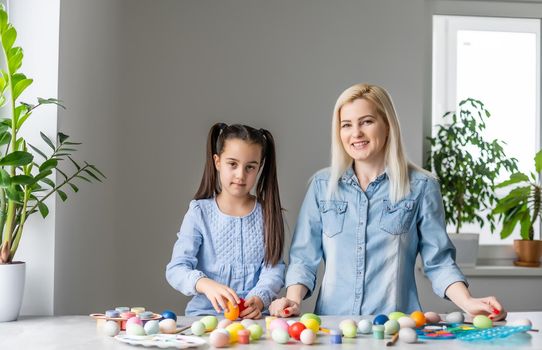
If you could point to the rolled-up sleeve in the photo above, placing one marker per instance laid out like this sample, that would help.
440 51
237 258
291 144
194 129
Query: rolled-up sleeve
436 249
306 248
181 272
269 284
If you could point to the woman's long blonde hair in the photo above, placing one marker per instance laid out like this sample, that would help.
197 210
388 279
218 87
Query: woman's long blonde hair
397 165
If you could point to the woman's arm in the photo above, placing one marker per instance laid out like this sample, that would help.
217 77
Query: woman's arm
489 306
291 304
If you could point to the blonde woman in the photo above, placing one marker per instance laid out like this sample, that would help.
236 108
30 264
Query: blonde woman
368 216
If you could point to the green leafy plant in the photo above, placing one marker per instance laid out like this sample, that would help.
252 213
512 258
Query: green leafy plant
25 182
467 165
523 203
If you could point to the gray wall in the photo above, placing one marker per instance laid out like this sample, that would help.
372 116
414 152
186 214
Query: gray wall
144 81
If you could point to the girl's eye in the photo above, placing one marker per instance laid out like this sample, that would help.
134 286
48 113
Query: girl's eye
251 167
232 165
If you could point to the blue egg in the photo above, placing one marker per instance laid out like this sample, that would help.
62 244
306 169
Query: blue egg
380 319
169 314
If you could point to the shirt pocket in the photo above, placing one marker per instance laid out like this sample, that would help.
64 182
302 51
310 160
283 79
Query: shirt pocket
397 218
333 213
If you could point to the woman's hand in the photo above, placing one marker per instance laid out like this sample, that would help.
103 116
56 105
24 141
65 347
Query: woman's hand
253 308
217 293
488 306
284 307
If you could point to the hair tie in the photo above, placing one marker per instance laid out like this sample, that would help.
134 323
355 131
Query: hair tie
222 126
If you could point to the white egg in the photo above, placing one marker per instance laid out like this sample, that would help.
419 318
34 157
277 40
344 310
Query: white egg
224 323
168 326
520 322
432 317
406 322
111 328
246 323
151 327
408 335
307 337
365 326
455 317
198 328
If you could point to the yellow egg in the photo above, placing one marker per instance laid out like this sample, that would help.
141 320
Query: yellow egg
311 324
233 329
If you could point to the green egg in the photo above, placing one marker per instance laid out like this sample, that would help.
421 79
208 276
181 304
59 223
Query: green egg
311 316
256 331
210 322
350 331
395 315
482 322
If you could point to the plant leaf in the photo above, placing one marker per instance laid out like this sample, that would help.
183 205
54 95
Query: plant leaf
62 195
43 209
17 158
47 140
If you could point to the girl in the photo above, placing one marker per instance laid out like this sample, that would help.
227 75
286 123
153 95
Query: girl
230 242
368 217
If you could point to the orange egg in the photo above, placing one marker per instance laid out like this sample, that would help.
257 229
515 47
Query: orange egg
418 317
232 312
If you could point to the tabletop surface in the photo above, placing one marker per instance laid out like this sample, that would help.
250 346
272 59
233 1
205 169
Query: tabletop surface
80 332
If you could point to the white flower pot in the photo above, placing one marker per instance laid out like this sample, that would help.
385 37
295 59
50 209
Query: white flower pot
11 290
466 248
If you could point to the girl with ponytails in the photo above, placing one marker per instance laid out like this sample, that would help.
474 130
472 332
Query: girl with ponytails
230 243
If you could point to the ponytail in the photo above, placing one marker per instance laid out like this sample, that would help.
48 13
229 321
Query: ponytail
267 192
209 182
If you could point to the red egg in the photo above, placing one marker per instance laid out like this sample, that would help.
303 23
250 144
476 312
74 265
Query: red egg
241 305
295 330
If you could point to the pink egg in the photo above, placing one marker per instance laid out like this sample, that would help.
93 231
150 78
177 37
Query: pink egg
219 339
224 323
432 317
406 322
168 326
278 323
307 337
134 320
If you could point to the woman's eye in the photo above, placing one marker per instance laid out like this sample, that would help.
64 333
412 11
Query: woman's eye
367 122
345 126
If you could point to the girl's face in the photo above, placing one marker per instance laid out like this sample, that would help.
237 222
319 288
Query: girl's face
238 166
363 132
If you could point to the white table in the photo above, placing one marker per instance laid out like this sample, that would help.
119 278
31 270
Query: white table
79 332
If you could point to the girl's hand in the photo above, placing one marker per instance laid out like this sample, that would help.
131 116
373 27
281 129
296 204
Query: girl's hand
253 308
488 306
284 307
217 293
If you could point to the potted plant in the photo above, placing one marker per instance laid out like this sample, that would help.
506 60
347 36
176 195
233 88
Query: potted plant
523 205
467 167
27 172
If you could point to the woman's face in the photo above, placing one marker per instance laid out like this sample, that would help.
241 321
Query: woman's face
363 132
238 166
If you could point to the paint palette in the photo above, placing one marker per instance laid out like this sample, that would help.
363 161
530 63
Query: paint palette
102 318
492 333
162 340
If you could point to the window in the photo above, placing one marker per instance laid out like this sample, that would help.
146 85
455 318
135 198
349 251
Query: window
497 61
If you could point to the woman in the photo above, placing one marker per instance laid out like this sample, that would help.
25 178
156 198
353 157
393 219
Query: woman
368 217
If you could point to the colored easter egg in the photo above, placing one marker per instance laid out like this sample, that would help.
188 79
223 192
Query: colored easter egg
295 330
241 305
135 320
432 317
406 322
365 326
408 335
169 314
152 327
349 330
307 337
247 322
231 312
391 327
311 316
280 336
168 326
396 315
278 323
311 324
198 328
134 329
233 329
210 322
482 322
256 331
224 323
418 317
455 317
219 339
380 319
520 322
348 322
111 328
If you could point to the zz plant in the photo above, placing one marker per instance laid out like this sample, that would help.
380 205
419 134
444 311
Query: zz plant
467 165
26 182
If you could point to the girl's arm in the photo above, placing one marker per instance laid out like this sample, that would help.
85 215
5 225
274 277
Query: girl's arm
490 306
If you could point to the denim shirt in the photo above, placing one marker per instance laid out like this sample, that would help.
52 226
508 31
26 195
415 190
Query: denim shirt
369 245
227 249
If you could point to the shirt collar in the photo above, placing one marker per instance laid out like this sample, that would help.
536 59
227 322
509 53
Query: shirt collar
349 176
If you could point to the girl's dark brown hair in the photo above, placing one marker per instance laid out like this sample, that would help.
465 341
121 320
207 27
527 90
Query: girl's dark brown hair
267 189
